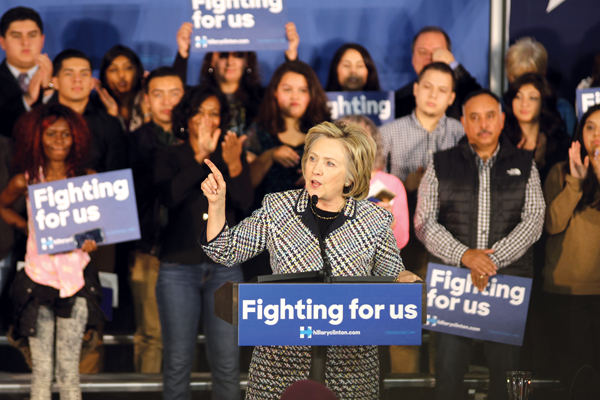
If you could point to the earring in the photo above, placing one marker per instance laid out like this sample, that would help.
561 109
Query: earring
347 184
249 70
210 70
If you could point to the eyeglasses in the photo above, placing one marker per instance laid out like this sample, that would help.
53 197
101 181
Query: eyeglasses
236 54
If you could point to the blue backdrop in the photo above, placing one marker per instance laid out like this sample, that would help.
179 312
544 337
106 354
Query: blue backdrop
385 27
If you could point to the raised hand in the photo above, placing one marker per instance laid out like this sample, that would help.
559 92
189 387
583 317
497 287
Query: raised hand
232 148
214 187
207 140
578 169
442 55
184 37
294 40
46 68
33 90
112 108
286 156
89 245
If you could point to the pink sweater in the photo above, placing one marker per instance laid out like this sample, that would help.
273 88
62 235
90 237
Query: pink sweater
400 207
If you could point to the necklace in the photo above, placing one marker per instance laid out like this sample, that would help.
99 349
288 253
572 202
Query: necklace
334 217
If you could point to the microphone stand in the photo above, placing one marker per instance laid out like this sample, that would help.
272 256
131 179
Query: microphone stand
318 358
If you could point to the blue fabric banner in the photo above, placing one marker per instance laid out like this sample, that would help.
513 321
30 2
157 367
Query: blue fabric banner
64 208
455 306
329 314
379 106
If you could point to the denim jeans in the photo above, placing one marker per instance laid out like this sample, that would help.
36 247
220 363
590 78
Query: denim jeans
452 364
185 296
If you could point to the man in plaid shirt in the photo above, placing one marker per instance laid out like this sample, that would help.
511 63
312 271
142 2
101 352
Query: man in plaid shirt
480 206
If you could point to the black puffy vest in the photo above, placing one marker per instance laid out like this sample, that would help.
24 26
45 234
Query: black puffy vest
458 177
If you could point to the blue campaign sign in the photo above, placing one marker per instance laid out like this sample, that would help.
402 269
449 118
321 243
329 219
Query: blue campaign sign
379 106
455 306
238 25
103 203
329 314
586 98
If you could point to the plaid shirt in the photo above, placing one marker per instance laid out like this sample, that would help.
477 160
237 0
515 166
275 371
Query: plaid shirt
408 146
363 245
443 245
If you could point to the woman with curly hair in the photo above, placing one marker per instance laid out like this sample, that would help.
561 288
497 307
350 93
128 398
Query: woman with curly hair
533 123
49 295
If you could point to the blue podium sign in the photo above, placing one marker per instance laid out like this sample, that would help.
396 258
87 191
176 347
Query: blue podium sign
238 25
379 106
455 306
329 314
104 203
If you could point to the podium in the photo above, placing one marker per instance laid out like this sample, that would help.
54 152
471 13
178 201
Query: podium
300 309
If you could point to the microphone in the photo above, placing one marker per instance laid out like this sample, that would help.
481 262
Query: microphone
314 199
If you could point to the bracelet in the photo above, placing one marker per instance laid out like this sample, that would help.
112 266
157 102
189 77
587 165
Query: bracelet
50 87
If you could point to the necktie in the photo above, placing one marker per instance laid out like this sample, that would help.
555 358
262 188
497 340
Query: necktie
23 84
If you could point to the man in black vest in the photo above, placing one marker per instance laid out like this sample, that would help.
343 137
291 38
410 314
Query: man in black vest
480 206
25 73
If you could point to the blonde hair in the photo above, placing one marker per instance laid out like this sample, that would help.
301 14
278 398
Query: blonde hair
359 149
526 55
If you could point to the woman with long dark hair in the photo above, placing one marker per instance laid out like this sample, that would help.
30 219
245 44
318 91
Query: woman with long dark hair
120 87
533 123
187 277
235 73
49 295
294 102
572 270
352 69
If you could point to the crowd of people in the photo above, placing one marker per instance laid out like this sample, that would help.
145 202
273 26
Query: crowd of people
224 173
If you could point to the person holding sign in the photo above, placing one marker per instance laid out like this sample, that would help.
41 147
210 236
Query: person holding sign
235 73
187 277
533 123
336 165
352 69
572 271
61 289
480 206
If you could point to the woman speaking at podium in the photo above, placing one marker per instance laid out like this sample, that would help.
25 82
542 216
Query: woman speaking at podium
358 239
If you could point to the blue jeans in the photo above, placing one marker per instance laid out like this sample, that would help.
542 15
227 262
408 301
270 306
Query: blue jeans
452 364
185 296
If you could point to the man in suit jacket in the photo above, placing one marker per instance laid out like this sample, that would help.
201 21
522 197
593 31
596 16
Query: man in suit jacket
25 73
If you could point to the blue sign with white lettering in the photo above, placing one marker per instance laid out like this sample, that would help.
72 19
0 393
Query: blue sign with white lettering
100 207
455 305
586 98
238 25
379 106
329 314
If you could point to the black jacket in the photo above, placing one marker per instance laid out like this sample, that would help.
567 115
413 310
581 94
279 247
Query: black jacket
27 296
141 148
179 176
465 84
458 189
11 100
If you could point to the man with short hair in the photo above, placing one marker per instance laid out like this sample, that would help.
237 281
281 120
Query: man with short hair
25 73
480 206
409 144
432 44
74 83
163 90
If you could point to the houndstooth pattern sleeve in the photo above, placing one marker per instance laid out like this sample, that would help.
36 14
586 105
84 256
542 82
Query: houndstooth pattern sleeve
242 242
528 231
434 235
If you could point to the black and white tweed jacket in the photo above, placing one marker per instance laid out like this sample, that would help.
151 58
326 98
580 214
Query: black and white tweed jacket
360 242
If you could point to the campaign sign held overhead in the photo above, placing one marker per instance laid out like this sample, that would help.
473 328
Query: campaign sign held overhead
455 306
329 314
379 106
238 25
586 98
104 202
